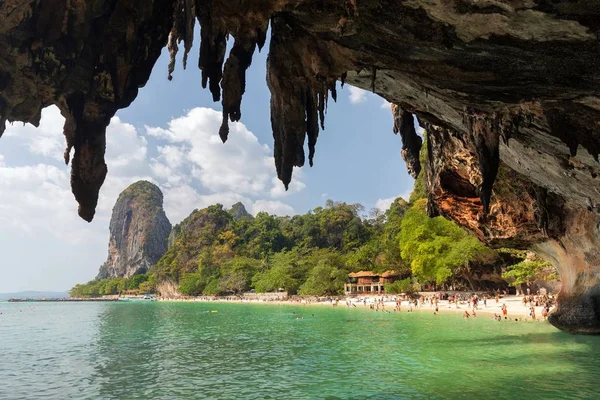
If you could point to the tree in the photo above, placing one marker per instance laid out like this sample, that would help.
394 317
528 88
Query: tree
135 281
236 274
324 280
419 190
148 286
285 272
402 286
527 271
192 284
435 247
365 257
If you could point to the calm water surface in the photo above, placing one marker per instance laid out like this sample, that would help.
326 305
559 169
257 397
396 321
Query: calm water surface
181 351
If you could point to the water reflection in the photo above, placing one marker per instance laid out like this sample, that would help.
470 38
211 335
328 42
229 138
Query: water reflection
128 348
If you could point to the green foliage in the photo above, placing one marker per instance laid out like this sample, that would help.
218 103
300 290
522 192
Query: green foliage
436 247
212 287
113 286
198 232
419 190
405 286
527 271
324 279
192 284
220 252
285 272
236 275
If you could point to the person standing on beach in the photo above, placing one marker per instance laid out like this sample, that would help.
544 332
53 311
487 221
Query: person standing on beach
545 313
504 310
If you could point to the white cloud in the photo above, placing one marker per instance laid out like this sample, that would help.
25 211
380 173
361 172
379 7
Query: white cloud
243 165
357 95
47 140
187 160
384 204
37 198
125 149
180 201
272 207
296 185
173 155
386 104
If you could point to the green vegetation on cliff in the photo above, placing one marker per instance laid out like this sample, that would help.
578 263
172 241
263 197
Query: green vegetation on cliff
226 252
141 283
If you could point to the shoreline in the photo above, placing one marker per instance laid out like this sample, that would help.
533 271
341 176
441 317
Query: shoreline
514 305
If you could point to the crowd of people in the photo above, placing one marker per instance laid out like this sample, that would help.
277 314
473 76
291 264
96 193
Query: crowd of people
469 304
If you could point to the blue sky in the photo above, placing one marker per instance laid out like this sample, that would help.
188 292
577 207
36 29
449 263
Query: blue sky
169 135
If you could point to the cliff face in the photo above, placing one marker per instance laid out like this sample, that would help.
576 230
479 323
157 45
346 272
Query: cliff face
509 91
138 231
238 211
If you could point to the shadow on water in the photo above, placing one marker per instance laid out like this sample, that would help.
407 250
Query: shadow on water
507 340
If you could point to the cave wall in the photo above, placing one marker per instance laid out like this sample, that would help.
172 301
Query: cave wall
507 89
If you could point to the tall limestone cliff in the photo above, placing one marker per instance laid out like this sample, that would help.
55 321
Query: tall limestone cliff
139 230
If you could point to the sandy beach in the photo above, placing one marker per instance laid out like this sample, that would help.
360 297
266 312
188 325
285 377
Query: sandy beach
514 305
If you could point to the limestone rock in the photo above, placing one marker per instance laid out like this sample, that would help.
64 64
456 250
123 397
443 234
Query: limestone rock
139 230
508 90
238 211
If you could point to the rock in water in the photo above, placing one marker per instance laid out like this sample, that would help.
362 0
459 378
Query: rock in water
139 230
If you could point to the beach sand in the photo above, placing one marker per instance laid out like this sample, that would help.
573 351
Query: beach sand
514 305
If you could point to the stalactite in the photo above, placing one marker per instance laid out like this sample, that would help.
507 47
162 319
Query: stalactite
298 101
3 110
190 22
212 55
411 142
176 34
484 134
88 169
373 79
68 132
312 120
184 20
234 83
288 112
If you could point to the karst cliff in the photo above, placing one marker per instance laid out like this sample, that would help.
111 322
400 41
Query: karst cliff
508 91
139 230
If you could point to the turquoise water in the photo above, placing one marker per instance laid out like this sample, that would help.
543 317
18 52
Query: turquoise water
179 351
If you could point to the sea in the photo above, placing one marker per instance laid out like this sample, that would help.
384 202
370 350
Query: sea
162 350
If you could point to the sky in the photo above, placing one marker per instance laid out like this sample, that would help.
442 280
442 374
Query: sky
169 136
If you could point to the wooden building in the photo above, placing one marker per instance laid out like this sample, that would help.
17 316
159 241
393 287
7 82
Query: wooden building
369 282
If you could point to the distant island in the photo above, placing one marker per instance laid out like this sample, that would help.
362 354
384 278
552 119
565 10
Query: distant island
33 295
